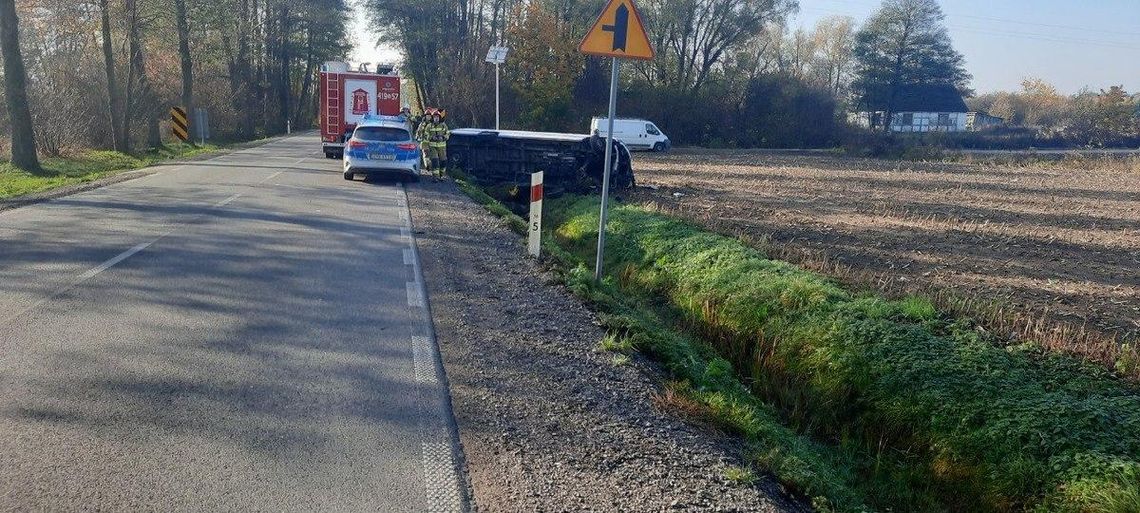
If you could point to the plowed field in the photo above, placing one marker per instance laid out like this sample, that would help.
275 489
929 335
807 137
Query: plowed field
1048 246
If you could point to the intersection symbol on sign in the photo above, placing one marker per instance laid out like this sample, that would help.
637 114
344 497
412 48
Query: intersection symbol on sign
621 24
618 32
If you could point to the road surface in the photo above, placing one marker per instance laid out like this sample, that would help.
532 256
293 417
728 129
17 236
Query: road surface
247 333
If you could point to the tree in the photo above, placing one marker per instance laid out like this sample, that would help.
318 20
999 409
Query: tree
835 43
1044 106
185 61
114 102
692 37
544 65
905 43
15 89
1104 119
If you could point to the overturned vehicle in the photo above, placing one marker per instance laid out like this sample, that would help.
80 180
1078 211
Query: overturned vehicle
501 161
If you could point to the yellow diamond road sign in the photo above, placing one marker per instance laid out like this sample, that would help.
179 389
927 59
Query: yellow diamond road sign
619 32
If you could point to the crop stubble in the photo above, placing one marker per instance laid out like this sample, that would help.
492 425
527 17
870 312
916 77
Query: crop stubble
1045 252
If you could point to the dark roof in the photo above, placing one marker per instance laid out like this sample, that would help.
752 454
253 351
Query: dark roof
921 98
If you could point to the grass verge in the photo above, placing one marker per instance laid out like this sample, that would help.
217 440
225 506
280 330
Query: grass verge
853 400
82 168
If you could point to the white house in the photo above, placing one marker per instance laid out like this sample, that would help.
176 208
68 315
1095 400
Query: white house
925 108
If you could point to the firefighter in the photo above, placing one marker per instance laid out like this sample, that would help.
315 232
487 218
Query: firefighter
434 135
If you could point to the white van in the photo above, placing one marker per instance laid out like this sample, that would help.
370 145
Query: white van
636 134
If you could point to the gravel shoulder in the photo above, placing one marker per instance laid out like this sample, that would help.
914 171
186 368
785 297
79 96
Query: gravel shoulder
547 422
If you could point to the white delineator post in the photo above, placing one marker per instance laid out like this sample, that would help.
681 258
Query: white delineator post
534 241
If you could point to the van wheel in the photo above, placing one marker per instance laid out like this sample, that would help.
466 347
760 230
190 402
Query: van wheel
659 147
348 176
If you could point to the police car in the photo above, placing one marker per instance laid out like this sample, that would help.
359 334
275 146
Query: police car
382 145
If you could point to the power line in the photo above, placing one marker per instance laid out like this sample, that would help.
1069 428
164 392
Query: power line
1066 27
873 6
1046 37
1054 38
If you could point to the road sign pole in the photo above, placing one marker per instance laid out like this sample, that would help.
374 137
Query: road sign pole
608 171
496 96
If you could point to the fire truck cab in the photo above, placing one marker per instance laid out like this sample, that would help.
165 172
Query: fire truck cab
347 96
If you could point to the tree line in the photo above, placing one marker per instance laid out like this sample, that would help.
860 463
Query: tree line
727 72
1107 117
104 73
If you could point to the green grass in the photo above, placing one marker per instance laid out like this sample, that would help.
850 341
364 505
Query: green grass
853 398
705 384
81 168
740 475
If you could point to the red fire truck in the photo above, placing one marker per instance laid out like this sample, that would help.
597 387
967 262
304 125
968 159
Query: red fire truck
347 96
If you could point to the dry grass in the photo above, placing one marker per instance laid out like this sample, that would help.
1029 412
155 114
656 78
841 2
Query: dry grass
1035 251
1015 325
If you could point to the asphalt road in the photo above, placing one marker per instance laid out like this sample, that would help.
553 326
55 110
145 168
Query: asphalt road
247 333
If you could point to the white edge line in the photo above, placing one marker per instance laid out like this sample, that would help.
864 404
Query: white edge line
227 200
90 273
113 261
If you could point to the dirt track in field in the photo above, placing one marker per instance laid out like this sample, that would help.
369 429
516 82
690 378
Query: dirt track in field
1052 242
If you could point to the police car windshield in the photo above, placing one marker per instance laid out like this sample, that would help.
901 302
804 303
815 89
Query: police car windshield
380 134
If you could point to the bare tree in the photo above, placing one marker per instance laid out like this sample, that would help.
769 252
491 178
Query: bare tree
15 88
185 61
835 43
693 36
114 100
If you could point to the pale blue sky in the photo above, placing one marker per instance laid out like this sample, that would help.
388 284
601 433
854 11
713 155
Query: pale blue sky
1070 43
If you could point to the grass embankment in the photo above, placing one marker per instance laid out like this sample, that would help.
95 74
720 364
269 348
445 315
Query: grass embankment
851 399
927 413
704 385
83 167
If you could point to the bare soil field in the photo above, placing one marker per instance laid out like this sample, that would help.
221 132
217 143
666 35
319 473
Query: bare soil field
1045 253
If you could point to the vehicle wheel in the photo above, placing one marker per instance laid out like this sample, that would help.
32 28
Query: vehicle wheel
328 155
659 147
348 176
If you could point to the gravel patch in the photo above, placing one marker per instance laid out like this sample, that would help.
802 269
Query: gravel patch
547 422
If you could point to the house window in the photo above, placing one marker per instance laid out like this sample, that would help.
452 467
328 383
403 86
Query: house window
907 118
944 119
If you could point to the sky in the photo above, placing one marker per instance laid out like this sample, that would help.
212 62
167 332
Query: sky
1072 44
364 40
